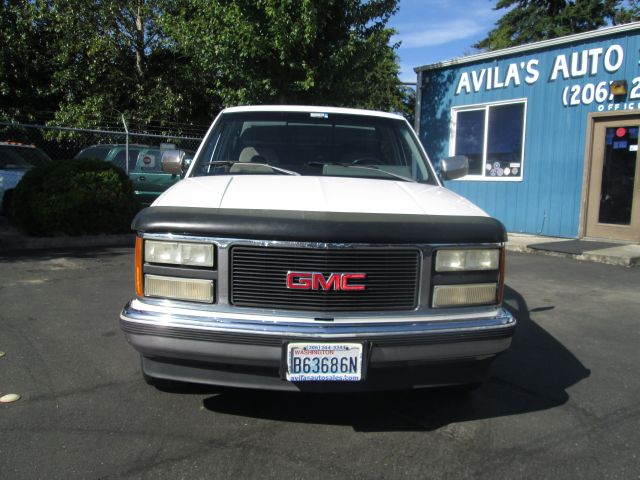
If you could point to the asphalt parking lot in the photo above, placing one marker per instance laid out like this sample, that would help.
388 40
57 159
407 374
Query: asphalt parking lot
562 403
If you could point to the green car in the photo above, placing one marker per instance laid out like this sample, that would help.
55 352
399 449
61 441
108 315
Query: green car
145 169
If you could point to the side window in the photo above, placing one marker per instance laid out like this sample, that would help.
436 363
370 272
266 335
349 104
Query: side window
470 138
505 140
118 160
413 157
149 161
220 148
492 137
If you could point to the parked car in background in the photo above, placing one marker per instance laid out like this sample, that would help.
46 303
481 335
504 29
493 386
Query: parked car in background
149 180
16 159
145 171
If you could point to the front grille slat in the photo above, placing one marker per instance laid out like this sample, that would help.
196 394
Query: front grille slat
258 278
370 270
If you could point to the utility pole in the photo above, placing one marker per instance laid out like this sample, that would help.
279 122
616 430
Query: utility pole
126 148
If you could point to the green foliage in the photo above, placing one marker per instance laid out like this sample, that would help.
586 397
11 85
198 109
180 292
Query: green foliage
114 58
74 197
90 61
408 108
534 20
628 14
25 60
333 52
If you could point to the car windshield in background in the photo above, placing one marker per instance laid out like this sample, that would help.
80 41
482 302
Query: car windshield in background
99 153
116 154
20 157
296 143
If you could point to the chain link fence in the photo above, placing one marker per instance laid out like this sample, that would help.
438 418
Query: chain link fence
64 142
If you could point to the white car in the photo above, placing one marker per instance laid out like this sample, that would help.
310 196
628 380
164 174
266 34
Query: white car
16 159
315 249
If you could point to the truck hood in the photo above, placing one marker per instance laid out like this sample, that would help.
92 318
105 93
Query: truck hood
316 194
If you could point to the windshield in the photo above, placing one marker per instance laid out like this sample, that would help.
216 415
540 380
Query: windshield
21 157
99 153
312 144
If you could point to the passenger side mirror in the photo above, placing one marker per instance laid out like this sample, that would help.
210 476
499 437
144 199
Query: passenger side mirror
172 161
454 167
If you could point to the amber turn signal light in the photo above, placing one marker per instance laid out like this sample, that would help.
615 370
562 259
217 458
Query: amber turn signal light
139 284
503 266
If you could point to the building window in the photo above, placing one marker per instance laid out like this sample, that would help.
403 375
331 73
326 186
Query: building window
492 137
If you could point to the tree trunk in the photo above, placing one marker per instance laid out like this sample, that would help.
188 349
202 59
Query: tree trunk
139 43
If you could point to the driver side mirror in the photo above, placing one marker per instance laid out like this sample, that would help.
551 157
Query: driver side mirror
173 161
454 167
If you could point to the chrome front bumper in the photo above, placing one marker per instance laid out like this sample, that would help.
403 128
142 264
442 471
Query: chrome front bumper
204 346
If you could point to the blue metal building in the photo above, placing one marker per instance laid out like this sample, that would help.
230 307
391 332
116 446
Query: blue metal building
550 130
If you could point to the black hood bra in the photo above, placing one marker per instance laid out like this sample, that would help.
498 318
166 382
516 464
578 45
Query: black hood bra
324 227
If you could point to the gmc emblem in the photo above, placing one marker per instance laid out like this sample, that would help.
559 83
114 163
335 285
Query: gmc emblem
317 281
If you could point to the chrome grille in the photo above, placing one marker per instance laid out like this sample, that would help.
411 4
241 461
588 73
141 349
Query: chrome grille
258 278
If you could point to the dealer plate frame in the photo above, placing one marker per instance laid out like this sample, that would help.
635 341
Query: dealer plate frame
364 348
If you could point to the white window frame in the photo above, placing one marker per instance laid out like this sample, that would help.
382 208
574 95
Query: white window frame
485 106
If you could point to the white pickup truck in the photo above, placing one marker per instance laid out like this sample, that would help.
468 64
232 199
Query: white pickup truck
315 249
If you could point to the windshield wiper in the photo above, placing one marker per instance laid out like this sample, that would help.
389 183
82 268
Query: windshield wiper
234 162
364 167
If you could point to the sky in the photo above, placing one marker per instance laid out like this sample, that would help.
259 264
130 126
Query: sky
436 30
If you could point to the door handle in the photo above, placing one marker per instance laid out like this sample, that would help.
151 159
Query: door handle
142 179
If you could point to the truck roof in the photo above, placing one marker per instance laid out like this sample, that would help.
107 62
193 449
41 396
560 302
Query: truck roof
312 109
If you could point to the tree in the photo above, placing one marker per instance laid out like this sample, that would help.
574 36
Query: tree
629 14
25 62
164 61
114 58
408 108
533 20
292 51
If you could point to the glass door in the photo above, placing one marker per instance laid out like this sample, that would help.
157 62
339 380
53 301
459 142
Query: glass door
613 209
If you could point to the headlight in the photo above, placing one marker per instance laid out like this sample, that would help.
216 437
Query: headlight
467 260
179 253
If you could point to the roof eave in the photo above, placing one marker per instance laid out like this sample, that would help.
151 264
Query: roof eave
531 46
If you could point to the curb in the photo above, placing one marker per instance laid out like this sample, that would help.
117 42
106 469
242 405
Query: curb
611 256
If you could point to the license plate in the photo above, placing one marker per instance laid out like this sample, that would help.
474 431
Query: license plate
324 362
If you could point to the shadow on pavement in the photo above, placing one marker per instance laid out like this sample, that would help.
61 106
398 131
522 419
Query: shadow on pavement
533 375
